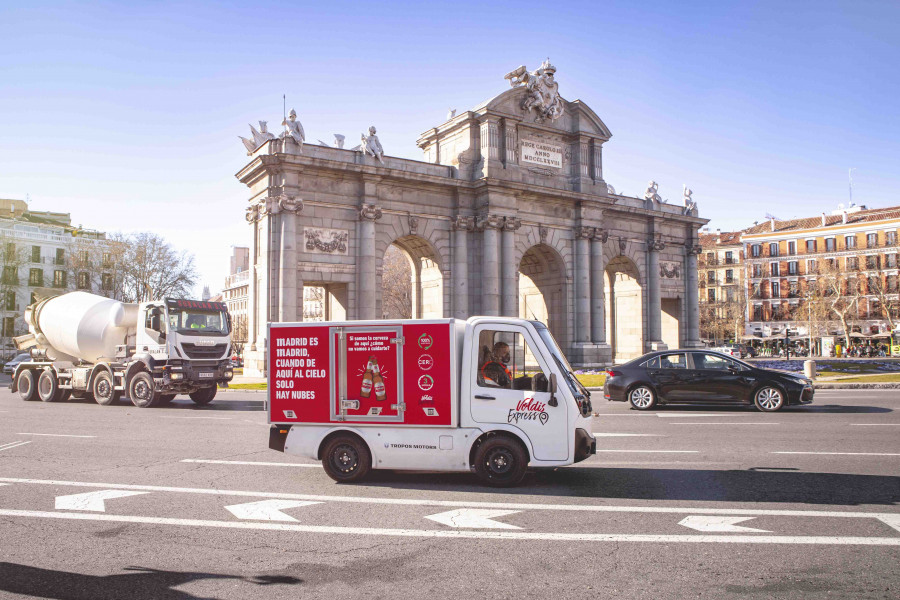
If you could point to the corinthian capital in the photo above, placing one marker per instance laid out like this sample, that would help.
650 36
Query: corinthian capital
463 223
694 249
371 212
601 234
289 204
252 214
490 222
584 233
511 223
655 245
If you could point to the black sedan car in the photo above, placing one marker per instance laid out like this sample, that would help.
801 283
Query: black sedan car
703 376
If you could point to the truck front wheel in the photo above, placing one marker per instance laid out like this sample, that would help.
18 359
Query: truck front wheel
104 393
500 461
48 387
26 385
346 459
142 390
204 396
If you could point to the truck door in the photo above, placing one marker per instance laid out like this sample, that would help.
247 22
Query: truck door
369 385
510 386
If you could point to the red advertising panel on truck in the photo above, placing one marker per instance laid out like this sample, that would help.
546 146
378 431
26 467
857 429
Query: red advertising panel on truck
400 373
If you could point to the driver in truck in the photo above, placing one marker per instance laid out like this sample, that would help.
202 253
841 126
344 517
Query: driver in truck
494 370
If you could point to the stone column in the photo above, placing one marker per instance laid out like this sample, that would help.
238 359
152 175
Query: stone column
692 297
365 261
461 227
654 302
253 307
510 281
490 292
583 284
598 299
287 208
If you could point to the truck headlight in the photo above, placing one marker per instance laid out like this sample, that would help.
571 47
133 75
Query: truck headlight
176 376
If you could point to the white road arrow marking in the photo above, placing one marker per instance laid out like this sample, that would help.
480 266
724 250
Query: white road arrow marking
892 520
474 518
92 500
719 524
267 510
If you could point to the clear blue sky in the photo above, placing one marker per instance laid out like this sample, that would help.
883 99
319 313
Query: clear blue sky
127 114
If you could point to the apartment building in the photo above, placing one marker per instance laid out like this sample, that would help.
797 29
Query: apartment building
721 281
785 258
236 292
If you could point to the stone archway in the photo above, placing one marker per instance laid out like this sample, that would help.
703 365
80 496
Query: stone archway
542 290
624 309
412 285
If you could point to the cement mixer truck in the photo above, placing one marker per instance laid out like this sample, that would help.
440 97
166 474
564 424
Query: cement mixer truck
88 346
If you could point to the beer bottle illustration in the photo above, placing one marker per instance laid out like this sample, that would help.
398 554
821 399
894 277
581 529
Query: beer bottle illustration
378 381
368 380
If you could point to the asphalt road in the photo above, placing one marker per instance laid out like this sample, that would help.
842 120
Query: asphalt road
185 502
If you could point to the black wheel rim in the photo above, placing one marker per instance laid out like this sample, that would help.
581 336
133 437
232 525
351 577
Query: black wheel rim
141 390
345 459
500 462
103 389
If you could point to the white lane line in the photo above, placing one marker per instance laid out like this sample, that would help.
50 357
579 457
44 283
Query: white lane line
59 435
12 445
249 462
457 534
724 423
462 504
599 450
876 424
692 415
597 434
212 418
843 453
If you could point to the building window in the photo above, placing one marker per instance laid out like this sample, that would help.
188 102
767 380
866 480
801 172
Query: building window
84 280
890 238
10 275
9 326
794 291
811 265
107 260
892 284
756 250
10 250
60 256
729 258
773 269
106 282
10 301
852 263
729 276
872 262
872 284
757 270
792 248
872 240
850 241
810 246
36 277
85 258
829 245
890 261
773 249
711 295
776 289
710 277
793 268
59 279
758 312
35 254
757 291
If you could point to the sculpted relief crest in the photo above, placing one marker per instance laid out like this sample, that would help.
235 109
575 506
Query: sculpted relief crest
542 95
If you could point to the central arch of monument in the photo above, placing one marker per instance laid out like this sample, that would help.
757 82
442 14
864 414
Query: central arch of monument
508 214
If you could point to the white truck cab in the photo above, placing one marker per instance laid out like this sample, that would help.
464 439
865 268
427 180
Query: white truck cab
489 394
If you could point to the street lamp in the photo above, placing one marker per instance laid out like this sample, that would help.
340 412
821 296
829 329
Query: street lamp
809 322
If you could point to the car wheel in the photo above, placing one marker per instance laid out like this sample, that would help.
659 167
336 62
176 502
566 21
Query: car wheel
346 459
642 398
142 390
26 385
769 399
48 387
103 393
500 461
204 396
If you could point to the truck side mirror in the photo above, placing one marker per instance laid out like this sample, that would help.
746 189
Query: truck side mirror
552 389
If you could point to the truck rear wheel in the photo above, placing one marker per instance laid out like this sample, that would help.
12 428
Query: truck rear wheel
142 390
48 387
104 393
346 459
26 385
500 461
204 396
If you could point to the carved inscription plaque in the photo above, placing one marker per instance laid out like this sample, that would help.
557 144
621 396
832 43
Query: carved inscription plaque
539 153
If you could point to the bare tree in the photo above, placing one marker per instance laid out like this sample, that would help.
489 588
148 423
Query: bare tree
884 286
840 292
151 268
396 281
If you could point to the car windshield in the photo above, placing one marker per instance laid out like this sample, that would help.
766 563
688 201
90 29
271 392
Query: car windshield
561 362
202 322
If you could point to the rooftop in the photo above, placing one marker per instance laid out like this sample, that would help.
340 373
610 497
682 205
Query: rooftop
872 215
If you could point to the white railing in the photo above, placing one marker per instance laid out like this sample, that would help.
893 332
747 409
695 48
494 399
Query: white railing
236 279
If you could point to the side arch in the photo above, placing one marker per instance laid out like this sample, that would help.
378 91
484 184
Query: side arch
624 294
544 290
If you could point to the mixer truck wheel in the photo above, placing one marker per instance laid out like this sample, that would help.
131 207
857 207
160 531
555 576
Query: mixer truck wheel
104 393
142 390
48 387
26 385
204 396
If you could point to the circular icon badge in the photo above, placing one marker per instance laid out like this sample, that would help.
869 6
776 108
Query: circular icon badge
426 362
425 341
426 383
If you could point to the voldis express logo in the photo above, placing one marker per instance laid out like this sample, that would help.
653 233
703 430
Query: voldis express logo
425 341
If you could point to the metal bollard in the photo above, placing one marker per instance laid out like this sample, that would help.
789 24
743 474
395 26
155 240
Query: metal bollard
809 368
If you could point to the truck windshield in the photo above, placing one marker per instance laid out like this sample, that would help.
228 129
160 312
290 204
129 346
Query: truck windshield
201 322
561 362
